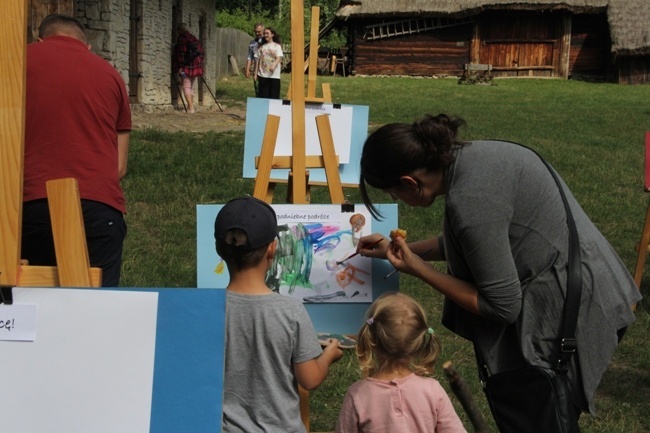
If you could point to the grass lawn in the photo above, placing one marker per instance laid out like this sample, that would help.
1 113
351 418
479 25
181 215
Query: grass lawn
593 134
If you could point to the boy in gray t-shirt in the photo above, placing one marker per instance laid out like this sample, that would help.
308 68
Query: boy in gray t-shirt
271 345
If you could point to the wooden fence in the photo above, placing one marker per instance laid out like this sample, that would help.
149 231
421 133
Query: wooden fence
230 42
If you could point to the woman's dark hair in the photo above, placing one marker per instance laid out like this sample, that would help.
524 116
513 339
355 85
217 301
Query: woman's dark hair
399 149
276 36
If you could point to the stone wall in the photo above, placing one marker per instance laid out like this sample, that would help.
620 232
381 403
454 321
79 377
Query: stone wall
155 52
108 29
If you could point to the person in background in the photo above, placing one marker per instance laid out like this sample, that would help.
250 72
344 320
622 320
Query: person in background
269 58
251 64
397 350
505 241
188 60
77 124
271 345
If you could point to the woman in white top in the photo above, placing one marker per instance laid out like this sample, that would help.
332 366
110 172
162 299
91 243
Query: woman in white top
269 55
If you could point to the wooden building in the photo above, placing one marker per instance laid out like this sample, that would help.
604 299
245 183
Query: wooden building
601 39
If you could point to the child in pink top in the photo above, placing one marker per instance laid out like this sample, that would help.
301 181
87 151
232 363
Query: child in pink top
396 351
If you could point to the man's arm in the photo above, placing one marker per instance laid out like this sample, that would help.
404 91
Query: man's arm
247 69
250 59
122 152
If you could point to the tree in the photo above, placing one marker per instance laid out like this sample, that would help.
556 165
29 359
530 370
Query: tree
243 14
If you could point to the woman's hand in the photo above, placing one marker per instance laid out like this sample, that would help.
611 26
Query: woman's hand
369 247
401 257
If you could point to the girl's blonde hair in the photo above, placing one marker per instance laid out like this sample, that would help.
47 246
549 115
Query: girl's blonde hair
395 337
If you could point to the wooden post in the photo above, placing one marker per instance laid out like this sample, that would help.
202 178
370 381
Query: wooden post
263 189
13 43
327 93
75 271
313 53
563 46
68 231
299 187
329 158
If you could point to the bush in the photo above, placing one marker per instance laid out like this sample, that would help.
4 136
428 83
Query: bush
239 19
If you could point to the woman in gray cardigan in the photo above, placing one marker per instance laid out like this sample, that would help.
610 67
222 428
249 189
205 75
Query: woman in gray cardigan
505 241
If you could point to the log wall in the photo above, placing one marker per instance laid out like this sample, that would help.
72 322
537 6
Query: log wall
535 44
440 52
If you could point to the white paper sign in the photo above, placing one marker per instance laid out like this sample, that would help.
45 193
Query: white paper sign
340 121
18 322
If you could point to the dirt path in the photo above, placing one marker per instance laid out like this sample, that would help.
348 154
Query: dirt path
233 118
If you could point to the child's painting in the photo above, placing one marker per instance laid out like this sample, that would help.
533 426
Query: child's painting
316 259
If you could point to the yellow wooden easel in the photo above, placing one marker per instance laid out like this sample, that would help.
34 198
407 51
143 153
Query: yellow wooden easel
63 195
312 64
298 163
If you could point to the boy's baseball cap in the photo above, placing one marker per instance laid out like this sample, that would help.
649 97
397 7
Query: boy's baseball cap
253 216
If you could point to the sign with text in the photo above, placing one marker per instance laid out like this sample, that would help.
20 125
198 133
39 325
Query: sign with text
18 322
114 360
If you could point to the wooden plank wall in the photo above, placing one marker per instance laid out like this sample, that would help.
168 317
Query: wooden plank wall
633 70
440 52
543 44
39 9
521 44
590 46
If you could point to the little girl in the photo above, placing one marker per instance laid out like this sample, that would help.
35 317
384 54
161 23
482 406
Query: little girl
396 351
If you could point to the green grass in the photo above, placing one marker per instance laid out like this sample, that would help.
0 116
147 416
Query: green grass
593 133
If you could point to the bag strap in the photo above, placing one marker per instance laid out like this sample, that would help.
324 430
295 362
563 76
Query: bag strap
574 284
567 341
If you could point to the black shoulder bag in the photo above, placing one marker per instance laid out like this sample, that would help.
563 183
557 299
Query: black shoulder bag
535 399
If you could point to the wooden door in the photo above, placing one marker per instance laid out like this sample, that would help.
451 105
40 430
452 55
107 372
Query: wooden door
521 44
177 19
39 9
135 26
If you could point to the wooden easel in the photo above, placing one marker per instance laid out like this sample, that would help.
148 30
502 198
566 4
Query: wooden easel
299 162
63 195
312 64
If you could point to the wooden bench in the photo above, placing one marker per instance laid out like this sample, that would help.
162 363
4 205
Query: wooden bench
476 73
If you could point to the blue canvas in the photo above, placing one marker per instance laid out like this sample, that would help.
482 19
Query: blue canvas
341 318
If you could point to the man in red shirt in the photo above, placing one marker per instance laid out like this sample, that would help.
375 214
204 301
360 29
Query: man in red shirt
77 124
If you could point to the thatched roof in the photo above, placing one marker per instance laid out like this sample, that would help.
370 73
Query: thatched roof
629 20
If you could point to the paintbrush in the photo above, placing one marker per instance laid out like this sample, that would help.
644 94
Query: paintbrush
391 273
357 253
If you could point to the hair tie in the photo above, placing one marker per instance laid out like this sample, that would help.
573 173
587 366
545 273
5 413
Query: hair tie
428 337
370 321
